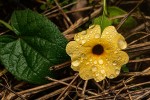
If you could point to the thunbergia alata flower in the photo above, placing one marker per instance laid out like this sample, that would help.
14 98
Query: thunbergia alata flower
97 56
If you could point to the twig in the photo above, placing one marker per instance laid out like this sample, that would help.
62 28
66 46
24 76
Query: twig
60 66
139 60
127 91
139 39
58 81
67 87
81 21
100 88
13 92
84 88
32 91
53 11
121 84
52 94
138 45
3 72
142 96
65 16
124 19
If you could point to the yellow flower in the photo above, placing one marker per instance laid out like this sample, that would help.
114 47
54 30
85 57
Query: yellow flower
97 55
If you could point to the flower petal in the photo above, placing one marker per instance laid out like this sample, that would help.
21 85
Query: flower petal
115 39
99 73
92 69
114 62
85 72
72 47
94 32
77 53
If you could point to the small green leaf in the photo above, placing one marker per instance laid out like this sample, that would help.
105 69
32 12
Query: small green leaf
38 44
115 11
103 21
125 68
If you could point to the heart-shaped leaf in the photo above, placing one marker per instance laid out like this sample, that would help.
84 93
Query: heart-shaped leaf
115 11
37 45
103 21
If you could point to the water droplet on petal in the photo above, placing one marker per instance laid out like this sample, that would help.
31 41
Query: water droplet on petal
97 74
119 58
94 68
83 41
76 63
77 39
83 55
101 77
106 32
111 76
92 26
117 71
116 52
102 71
87 63
95 62
122 44
106 59
100 61
114 64
83 32
97 36
90 59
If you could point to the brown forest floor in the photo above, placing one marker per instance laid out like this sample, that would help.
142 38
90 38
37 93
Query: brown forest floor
132 85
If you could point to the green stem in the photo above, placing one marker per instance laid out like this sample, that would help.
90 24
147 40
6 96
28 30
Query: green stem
6 25
104 7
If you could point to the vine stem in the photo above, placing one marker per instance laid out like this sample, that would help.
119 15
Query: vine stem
6 25
104 7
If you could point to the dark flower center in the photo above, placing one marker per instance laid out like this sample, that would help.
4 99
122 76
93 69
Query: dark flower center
97 49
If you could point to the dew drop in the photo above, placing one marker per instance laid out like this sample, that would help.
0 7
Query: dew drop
76 63
117 71
106 32
114 64
106 59
97 74
122 44
119 58
101 77
95 62
83 32
83 41
111 76
90 59
116 52
83 55
91 32
92 26
96 80
77 39
94 68
87 63
102 71
100 61
97 36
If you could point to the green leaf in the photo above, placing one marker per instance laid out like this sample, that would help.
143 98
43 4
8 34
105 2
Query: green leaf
125 68
103 21
38 44
115 11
